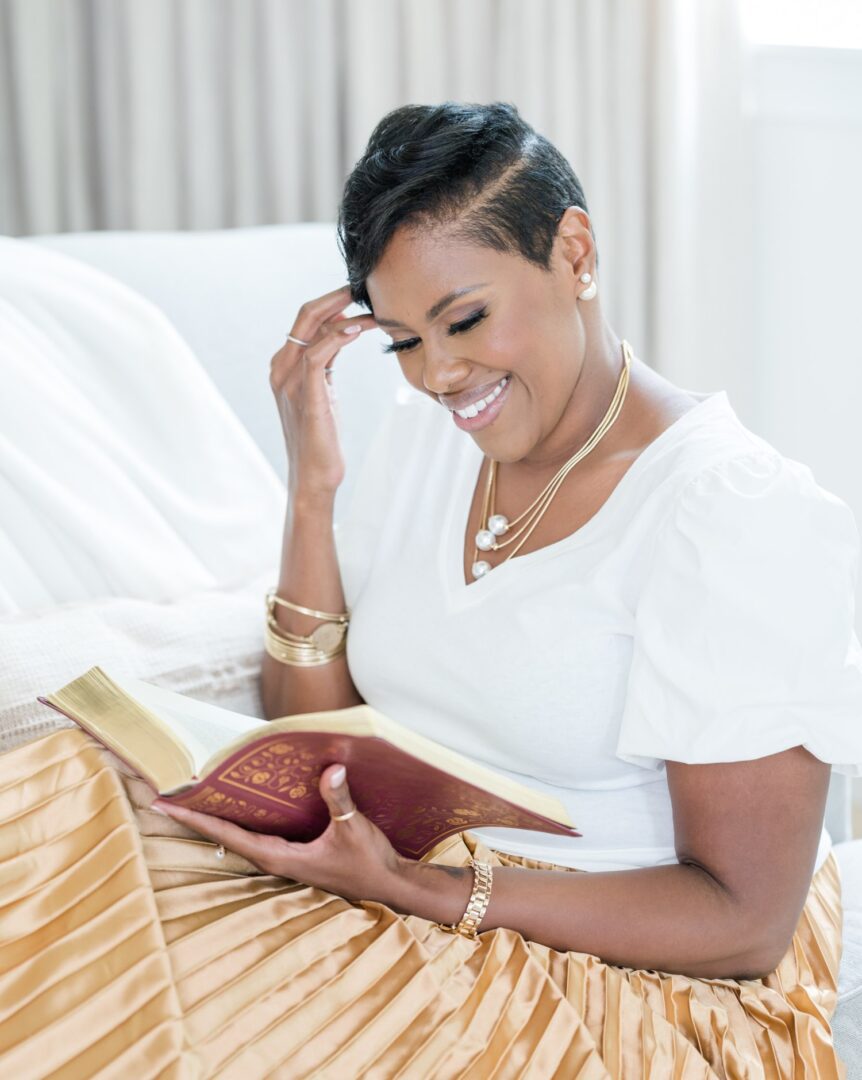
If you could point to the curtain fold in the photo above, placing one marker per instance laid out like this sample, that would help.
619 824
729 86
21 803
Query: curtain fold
207 114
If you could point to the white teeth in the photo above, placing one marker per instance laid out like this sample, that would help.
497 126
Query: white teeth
479 406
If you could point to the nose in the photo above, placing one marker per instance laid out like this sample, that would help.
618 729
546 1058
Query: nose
441 372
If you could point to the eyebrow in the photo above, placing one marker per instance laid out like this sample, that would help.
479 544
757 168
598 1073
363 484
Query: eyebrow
437 308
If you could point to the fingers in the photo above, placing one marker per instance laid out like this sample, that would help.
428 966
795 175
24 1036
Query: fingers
335 792
308 376
292 361
314 313
333 336
258 848
333 789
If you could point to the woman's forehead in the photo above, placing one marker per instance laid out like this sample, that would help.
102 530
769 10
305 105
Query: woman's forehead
415 280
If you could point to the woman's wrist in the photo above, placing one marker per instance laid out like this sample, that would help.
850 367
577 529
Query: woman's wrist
432 891
311 505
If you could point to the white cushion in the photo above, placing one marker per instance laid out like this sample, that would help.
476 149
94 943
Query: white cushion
233 294
123 472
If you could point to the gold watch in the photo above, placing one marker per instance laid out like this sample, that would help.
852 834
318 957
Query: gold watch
477 905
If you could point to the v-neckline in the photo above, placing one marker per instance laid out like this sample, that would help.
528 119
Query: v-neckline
453 536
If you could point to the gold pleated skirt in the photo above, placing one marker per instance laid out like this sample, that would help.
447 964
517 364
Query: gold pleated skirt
128 950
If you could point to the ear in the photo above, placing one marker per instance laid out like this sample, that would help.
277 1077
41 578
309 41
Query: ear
575 236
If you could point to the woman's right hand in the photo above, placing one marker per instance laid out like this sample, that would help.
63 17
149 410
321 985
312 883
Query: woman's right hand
303 395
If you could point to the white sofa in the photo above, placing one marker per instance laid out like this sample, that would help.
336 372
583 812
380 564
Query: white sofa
233 295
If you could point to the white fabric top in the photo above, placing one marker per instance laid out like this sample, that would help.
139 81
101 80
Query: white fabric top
704 614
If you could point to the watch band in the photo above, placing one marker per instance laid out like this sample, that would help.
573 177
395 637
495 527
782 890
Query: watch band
477 905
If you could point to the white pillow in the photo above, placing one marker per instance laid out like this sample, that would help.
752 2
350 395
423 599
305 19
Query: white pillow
123 472
208 644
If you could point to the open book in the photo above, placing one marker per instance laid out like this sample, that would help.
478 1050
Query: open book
264 775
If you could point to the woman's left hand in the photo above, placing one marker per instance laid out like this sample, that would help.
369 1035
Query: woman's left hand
352 858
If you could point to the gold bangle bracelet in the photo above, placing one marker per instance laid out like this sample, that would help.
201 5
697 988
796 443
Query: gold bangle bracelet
324 638
325 643
300 654
271 599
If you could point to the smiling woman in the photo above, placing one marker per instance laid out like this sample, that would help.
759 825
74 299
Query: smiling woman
618 594
660 635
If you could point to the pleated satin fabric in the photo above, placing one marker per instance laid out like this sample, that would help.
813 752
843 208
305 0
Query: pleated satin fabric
127 949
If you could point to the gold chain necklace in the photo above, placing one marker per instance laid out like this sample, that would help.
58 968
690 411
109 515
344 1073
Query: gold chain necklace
497 525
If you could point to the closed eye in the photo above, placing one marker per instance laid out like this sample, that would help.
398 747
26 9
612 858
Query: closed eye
455 328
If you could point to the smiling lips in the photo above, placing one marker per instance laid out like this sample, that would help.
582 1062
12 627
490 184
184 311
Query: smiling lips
481 412
471 403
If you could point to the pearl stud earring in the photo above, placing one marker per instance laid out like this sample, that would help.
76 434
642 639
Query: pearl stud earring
590 290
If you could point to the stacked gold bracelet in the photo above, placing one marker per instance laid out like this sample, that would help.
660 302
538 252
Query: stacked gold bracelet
324 643
480 897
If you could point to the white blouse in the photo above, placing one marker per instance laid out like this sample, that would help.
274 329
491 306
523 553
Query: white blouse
703 614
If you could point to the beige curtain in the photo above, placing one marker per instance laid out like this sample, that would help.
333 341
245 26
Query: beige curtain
206 114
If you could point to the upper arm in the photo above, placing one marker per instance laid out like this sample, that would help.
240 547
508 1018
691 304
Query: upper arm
745 646
754 826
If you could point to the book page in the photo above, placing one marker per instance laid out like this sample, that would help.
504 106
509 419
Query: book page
203 728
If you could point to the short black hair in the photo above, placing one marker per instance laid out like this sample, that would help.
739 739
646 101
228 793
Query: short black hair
480 168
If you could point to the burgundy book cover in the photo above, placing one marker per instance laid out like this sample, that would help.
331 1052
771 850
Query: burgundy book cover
271 786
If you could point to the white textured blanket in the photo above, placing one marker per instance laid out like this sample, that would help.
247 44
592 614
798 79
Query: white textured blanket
123 472
207 644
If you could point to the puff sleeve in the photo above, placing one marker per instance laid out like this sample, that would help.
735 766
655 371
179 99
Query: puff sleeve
744 641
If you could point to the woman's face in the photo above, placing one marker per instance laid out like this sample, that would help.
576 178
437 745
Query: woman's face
512 346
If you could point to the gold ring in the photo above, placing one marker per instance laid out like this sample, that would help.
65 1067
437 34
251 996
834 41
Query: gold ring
344 817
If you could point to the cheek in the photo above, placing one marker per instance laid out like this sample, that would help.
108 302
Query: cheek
507 346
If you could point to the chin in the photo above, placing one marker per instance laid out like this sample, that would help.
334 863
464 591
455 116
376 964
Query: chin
502 446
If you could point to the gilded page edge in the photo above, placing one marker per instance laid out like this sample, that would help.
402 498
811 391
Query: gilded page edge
150 746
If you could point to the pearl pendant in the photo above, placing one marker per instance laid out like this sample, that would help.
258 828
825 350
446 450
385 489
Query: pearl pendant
484 540
481 568
498 524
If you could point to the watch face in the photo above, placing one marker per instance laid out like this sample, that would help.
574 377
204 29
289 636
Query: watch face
328 636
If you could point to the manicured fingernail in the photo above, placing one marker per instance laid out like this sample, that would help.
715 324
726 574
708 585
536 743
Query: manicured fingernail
354 329
159 810
337 778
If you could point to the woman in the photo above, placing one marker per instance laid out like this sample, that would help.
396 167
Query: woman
562 565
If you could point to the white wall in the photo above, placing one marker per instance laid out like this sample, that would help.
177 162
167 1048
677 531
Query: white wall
805 106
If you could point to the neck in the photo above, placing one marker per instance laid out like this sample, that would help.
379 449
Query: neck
587 405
